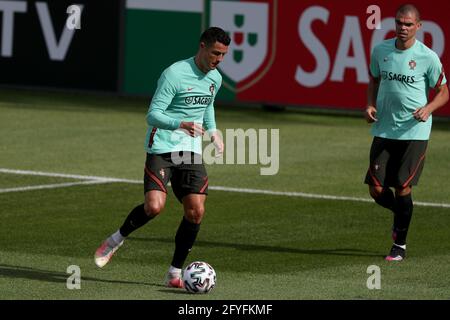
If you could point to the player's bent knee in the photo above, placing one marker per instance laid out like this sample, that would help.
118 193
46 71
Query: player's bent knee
153 209
403 191
195 214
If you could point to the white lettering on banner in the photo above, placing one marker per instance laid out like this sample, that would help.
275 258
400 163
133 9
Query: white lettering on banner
8 8
437 35
57 50
351 36
380 34
318 50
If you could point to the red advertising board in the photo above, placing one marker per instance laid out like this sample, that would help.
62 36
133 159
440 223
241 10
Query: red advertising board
314 52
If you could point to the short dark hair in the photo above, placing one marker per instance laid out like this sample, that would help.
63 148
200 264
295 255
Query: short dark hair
409 8
213 34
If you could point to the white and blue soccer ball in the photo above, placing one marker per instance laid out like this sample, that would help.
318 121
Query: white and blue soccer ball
199 277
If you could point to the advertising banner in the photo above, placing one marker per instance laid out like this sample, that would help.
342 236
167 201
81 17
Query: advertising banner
62 44
158 33
312 52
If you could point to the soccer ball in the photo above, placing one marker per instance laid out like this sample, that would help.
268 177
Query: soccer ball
199 277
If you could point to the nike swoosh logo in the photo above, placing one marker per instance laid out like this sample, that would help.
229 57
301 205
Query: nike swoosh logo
189 89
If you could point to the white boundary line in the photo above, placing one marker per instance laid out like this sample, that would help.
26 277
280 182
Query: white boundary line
317 196
99 180
67 176
52 186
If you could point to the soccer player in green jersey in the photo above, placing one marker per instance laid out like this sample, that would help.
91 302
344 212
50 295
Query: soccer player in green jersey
402 71
181 110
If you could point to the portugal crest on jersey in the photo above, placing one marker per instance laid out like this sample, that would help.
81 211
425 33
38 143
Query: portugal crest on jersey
251 27
412 65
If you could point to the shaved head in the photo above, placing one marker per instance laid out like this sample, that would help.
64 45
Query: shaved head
409 8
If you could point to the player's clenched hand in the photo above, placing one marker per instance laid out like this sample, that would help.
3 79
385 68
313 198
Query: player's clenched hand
370 114
191 128
218 143
421 114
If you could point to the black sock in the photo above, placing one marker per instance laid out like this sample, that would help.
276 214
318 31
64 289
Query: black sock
136 219
402 218
386 199
184 240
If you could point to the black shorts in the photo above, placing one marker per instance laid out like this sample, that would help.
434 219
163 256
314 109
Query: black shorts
396 163
184 170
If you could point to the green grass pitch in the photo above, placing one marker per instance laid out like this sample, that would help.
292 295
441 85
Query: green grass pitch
262 246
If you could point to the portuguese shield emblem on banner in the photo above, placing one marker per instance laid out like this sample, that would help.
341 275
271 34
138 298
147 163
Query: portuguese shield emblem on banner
251 27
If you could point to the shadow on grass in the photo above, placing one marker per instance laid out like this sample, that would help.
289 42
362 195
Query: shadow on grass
274 249
174 291
63 99
57 277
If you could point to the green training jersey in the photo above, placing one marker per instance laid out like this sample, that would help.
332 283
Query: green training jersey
184 93
405 79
